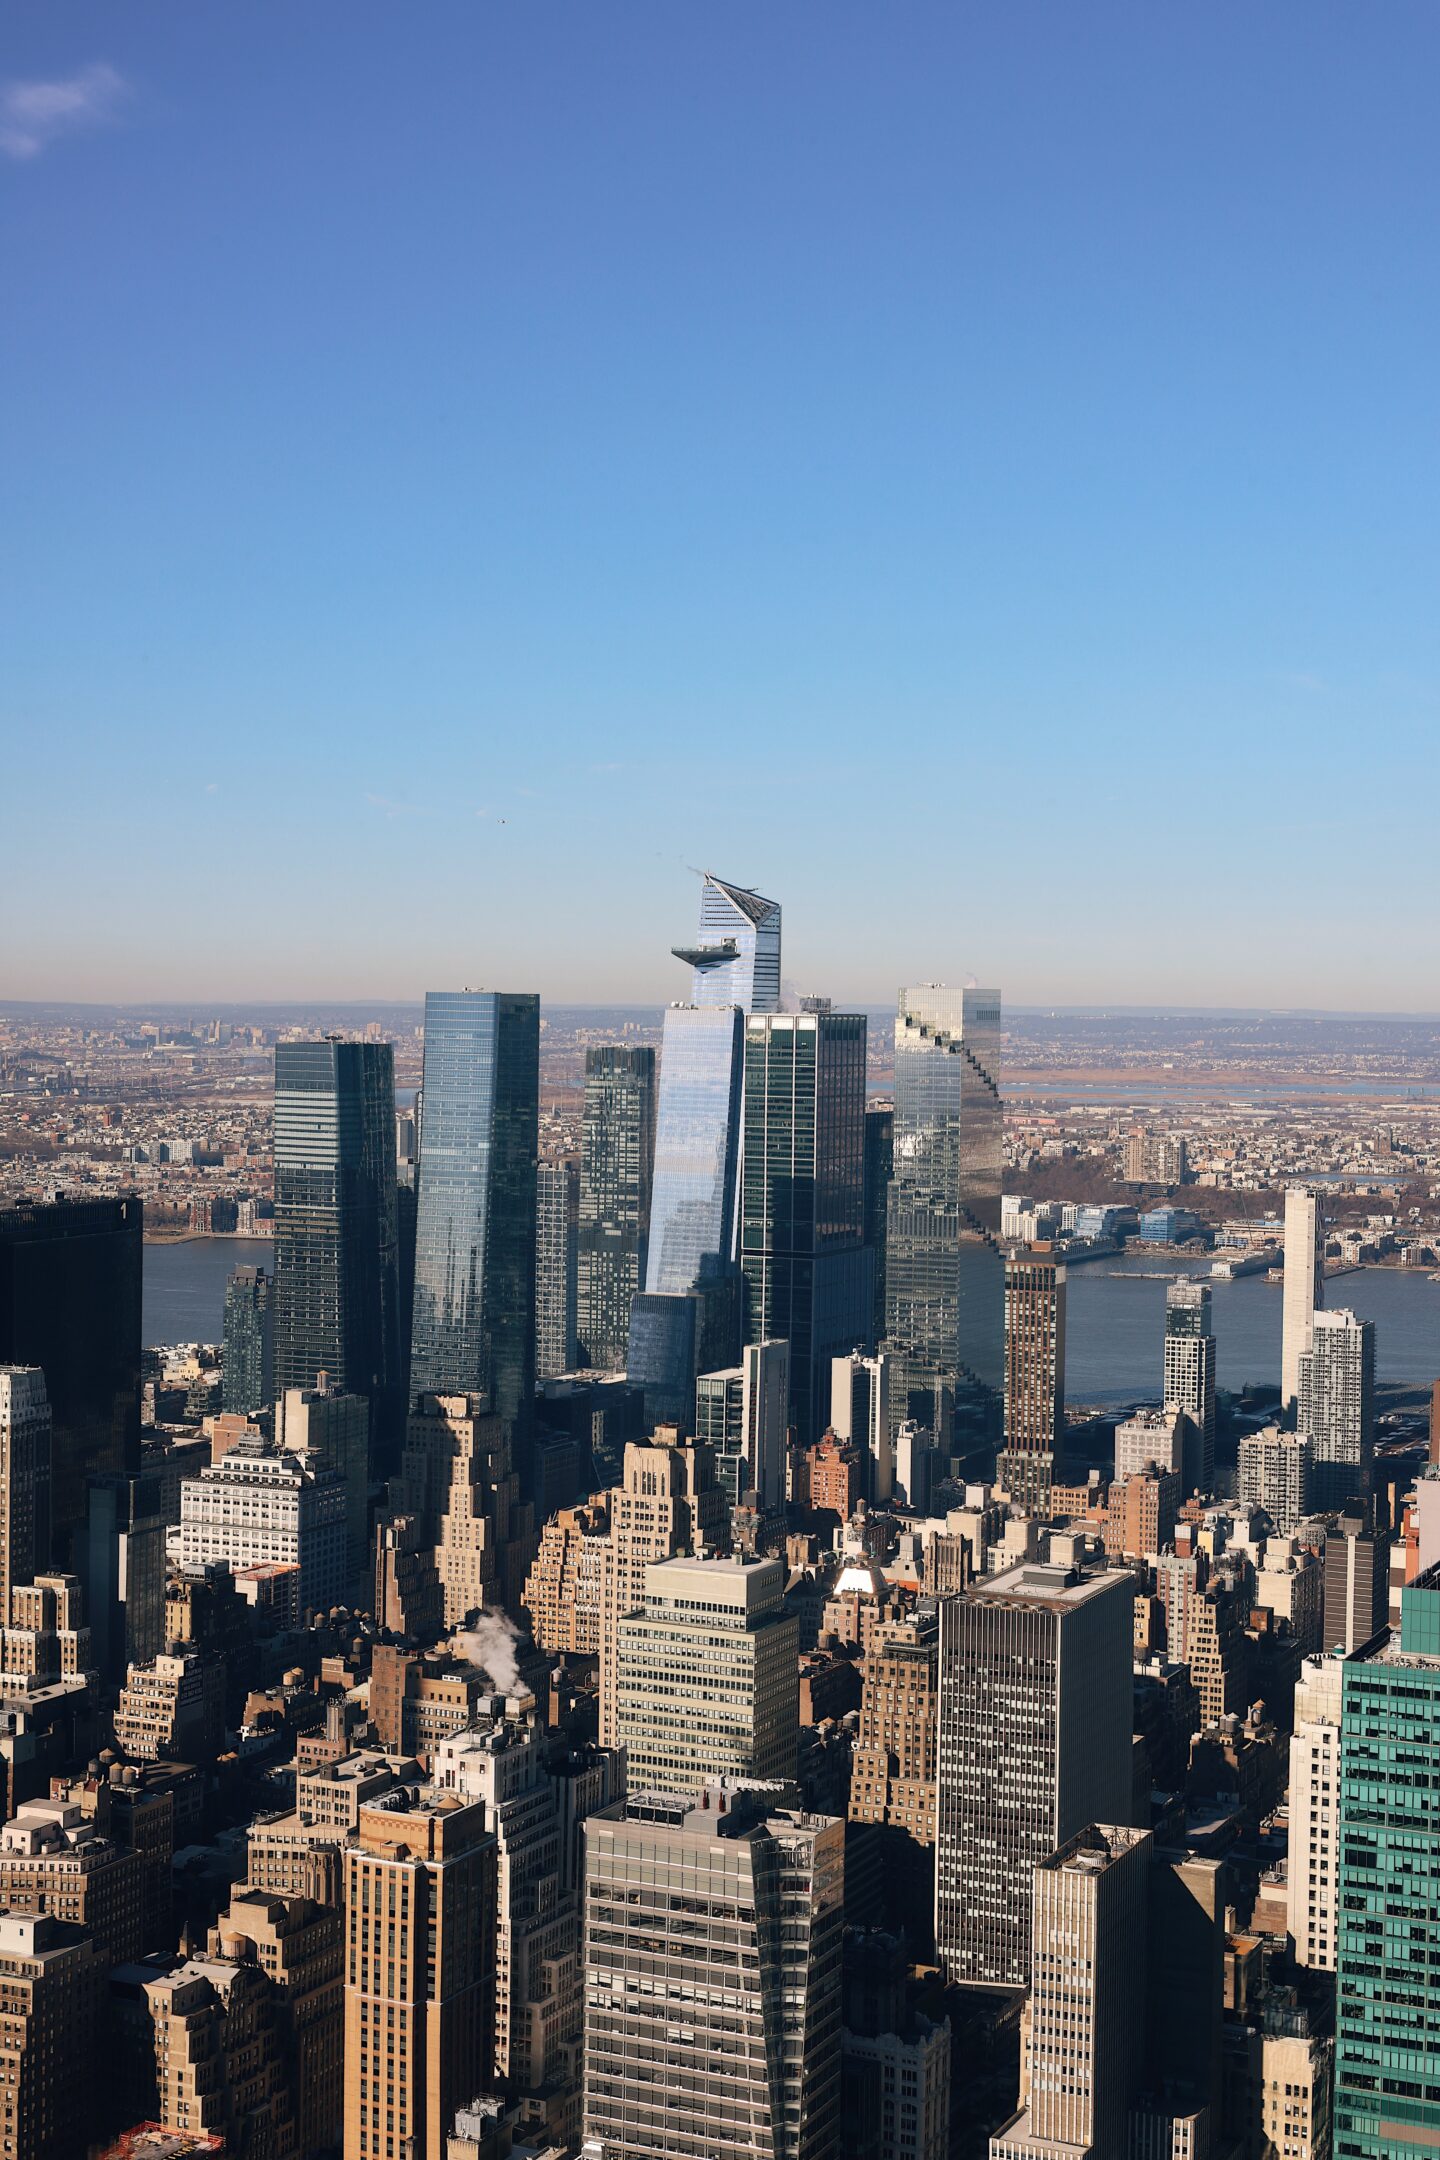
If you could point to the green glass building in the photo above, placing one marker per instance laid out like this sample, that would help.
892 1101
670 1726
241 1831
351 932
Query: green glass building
1387 2048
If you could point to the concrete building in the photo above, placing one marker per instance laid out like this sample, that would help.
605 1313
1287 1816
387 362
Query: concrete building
1304 1288
1275 1474
1337 1405
1314 1850
296 1943
860 1412
420 1970
54 1860
50 1984
557 1260
459 1481
1356 1588
172 1708
1034 1378
679 2061
220 2054
1034 1743
563 1589
668 1503
1189 1377
892 1769
707 1676
330 1430
742 1413
1140 1513
1150 1436
260 1504
1086 2036
24 1477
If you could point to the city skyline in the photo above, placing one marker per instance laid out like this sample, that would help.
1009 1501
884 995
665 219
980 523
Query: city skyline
848 405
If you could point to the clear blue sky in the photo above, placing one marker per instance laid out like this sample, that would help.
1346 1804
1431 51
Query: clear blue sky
968 469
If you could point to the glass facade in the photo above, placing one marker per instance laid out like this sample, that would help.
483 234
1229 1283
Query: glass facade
879 1169
336 1289
557 1210
697 1136
474 1329
617 1156
736 958
802 1217
1387 2046
248 1368
70 1274
944 1269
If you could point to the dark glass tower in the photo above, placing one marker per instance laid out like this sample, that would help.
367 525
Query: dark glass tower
879 1168
475 1226
70 1277
336 1291
557 1214
617 1152
248 1366
802 1226
944 1269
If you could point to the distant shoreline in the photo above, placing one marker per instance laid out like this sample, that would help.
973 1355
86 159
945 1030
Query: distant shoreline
210 1237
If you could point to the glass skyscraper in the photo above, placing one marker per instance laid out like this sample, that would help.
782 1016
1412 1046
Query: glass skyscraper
802 1213
557 1205
1190 1352
248 1368
336 1289
736 958
879 1169
944 1268
617 1155
475 1225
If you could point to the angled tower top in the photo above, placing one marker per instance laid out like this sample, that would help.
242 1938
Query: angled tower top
736 959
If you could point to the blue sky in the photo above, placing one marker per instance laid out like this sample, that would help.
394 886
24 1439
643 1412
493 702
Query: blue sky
970 470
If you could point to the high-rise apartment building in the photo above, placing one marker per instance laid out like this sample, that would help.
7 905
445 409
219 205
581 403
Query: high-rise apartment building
51 1977
53 1859
1190 1353
1033 1744
1356 1588
247 1370
617 1160
714 2034
1314 1807
667 1503
296 1943
1275 1474
892 1771
336 1289
742 1414
1336 1405
474 1330
707 1676
879 1169
944 1268
70 1303
1034 1377
802 1198
221 2056
24 1477
420 1967
557 1252
1304 1288
1387 2103
1086 2037
860 1412
1150 1436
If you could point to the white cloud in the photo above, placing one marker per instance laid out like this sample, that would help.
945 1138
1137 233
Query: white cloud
32 114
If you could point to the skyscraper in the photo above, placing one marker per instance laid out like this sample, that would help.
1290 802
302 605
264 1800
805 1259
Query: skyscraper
879 1167
944 1269
617 1159
24 1477
557 1215
70 1303
802 1211
1336 1405
860 1411
715 2035
1033 1744
1274 1473
1190 1376
1356 1581
1304 1290
248 1367
1034 1377
667 1503
1314 1808
742 1414
1387 2103
475 1230
336 1290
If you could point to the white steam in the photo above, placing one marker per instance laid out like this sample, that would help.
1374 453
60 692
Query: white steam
490 1643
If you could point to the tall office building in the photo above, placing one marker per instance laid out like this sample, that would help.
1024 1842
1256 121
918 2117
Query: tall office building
1313 1868
1086 2036
475 1230
460 1484
742 1413
802 1203
262 1506
892 1775
860 1412
247 1369
708 1676
330 1430
420 1969
879 1169
336 1291
667 1503
1190 1377
24 1477
617 1160
714 2037
70 1303
557 1228
1304 1291
1356 1586
51 1983
944 1269
1387 2101
1336 1405
1034 1378
1033 1744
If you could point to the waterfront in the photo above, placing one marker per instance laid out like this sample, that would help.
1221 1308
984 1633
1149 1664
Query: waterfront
1115 1322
